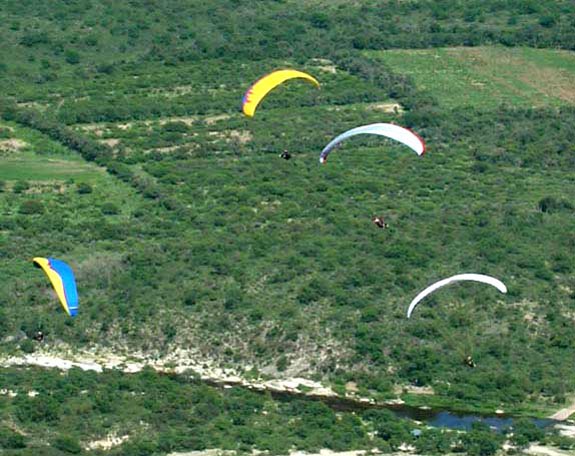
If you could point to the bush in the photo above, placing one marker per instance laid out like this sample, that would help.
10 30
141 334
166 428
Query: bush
67 444
434 441
28 346
31 207
43 408
524 432
20 187
282 363
480 441
83 188
551 204
120 170
175 127
109 209
547 21
313 291
72 57
11 440
234 297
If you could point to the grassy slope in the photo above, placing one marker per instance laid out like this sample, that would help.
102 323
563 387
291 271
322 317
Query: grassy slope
39 159
485 77
287 249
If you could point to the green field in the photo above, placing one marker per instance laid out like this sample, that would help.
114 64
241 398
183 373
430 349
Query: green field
31 167
487 77
29 155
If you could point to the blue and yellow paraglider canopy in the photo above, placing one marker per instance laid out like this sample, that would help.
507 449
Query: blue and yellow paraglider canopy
62 279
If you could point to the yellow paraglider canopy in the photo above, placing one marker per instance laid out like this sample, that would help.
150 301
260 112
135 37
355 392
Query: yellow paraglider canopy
257 92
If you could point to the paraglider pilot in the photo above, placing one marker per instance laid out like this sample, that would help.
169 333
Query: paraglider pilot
379 222
469 361
285 155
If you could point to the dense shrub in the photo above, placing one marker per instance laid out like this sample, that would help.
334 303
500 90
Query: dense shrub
83 188
31 207
109 208
551 204
11 440
67 444
20 186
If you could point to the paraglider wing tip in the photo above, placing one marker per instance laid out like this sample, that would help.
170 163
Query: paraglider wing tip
500 286
423 145
36 261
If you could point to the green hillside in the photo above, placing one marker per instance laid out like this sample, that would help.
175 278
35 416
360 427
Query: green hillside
487 77
123 151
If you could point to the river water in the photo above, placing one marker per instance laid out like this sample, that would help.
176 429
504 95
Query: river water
429 416
464 421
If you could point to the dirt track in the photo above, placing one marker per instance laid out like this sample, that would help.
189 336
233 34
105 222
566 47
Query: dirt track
564 413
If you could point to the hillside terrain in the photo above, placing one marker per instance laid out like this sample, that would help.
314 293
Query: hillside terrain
123 151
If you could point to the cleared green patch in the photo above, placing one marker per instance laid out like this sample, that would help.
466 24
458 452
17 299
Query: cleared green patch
28 154
30 166
489 76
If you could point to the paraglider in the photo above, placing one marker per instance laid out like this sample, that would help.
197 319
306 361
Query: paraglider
456 278
379 221
403 135
62 279
469 361
259 89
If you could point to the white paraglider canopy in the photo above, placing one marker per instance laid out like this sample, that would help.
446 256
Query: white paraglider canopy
456 278
403 135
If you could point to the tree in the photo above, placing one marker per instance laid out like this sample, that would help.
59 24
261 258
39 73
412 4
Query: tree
480 441
524 432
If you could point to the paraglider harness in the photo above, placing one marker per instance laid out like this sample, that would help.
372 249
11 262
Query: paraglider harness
469 361
379 222
285 155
